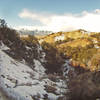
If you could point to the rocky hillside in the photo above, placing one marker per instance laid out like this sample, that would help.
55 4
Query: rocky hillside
82 51
24 70
80 46
33 32
19 82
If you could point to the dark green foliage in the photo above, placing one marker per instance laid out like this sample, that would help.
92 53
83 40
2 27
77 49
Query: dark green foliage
19 49
7 34
85 86
53 58
81 54
3 23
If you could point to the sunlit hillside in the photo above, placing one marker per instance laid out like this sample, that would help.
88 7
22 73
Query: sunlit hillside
80 46
65 36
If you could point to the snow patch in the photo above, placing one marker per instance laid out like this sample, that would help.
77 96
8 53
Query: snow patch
2 46
19 82
61 37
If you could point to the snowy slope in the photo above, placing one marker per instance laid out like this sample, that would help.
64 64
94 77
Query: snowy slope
67 68
19 82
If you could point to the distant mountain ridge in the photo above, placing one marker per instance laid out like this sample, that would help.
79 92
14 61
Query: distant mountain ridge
33 32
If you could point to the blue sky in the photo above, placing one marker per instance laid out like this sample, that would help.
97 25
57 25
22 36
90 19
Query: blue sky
10 10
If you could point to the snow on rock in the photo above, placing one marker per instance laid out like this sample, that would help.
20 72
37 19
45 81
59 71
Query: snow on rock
58 38
42 58
85 32
2 46
19 82
41 40
39 69
28 48
52 96
67 68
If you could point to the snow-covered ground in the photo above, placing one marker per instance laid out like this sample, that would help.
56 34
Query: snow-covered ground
67 68
19 82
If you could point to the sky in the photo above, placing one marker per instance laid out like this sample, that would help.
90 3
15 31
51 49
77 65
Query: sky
53 15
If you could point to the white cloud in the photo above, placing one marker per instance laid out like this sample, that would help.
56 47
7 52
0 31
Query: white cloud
42 17
97 11
85 20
